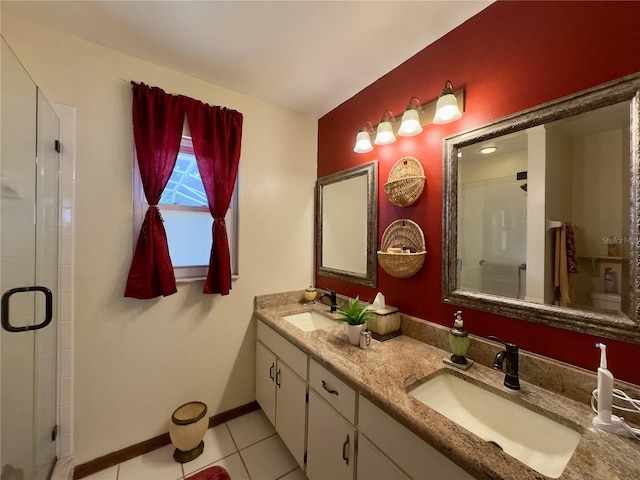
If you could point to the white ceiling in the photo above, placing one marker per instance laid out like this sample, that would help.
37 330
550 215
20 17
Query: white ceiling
307 56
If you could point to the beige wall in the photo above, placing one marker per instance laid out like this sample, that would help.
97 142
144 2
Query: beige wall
135 360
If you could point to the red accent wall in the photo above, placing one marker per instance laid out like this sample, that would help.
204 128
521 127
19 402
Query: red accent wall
509 57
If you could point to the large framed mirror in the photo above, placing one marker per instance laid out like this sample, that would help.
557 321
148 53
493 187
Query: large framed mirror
540 213
347 225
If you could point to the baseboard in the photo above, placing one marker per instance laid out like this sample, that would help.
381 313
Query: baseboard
114 458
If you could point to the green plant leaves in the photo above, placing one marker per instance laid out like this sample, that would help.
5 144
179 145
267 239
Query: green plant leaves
356 313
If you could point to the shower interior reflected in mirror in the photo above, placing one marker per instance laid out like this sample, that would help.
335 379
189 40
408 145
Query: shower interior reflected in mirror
573 171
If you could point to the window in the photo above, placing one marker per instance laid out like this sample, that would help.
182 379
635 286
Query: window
186 217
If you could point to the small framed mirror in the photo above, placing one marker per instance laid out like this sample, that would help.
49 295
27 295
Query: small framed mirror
347 225
540 213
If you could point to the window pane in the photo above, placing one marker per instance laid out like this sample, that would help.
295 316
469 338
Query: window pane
185 185
189 237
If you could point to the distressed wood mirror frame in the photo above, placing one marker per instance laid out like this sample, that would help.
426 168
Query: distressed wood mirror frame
370 276
608 326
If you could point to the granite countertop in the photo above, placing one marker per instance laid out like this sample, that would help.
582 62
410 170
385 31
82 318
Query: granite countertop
386 371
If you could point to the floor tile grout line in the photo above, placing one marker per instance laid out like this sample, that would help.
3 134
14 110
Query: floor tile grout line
226 424
274 434
238 451
258 441
235 451
290 471
235 446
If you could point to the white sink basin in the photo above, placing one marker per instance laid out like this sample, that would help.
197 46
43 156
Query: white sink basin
535 440
309 321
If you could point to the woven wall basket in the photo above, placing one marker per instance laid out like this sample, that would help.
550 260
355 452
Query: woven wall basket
405 183
402 234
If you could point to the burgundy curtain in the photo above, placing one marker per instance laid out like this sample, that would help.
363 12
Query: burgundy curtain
157 128
216 133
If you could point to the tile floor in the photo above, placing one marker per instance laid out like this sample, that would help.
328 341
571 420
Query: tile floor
248 447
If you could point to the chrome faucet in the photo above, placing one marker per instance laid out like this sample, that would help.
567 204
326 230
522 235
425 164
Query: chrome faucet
333 297
511 356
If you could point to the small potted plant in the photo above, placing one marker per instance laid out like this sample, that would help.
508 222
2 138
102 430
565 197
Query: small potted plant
356 315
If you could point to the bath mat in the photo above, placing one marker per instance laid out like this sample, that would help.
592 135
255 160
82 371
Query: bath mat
211 473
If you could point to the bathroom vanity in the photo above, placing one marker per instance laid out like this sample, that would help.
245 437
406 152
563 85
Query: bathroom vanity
286 393
350 414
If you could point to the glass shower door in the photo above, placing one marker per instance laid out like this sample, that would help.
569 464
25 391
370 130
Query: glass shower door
28 275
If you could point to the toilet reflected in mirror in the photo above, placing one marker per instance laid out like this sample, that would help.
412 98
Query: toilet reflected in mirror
606 302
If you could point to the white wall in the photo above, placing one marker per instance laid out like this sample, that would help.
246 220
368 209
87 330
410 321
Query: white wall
135 360
599 203
598 197
536 216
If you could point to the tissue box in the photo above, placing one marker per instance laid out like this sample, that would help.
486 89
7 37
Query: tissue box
385 323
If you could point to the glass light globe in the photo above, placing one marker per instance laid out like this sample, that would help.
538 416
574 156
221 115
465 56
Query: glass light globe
384 134
447 109
363 142
410 123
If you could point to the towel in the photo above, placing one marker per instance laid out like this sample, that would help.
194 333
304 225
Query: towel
565 265
572 262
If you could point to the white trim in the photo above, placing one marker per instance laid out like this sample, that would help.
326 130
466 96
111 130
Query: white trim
66 286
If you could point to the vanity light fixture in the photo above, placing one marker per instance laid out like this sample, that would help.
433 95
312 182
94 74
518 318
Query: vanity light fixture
384 132
363 139
411 119
447 107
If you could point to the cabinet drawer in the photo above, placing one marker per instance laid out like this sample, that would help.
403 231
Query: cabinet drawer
284 350
337 393
412 454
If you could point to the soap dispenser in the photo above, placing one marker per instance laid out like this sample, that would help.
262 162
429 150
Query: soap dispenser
458 340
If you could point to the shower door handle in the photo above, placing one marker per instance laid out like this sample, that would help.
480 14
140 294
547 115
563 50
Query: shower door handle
48 315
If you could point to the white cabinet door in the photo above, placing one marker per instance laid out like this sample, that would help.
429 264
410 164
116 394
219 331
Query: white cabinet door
291 410
414 456
373 465
265 381
330 443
